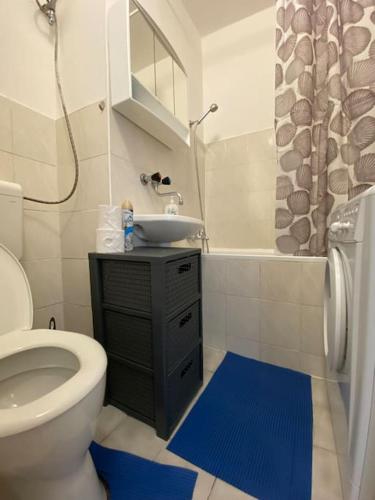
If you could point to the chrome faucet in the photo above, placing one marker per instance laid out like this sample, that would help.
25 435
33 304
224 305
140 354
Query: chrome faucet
156 180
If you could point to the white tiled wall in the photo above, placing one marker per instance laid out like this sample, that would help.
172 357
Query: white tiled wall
28 157
78 217
266 308
240 191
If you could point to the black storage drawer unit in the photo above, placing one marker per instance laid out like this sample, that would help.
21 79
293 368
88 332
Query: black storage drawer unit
148 316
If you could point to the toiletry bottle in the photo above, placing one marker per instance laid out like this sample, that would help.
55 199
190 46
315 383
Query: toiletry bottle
128 224
172 207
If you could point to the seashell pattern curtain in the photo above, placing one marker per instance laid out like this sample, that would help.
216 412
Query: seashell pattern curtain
325 115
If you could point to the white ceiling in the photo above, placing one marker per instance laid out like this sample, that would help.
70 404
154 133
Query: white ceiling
212 15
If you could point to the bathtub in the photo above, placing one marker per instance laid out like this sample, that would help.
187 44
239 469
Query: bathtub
267 306
262 254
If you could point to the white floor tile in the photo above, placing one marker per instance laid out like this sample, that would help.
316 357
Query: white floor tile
326 477
319 392
135 437
323 431
212 358
224 491
109 418
204 482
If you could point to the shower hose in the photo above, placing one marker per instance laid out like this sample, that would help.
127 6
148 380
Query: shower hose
67 121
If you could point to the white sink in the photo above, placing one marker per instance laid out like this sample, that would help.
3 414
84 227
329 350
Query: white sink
164 228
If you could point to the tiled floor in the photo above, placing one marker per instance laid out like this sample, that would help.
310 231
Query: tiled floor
117 430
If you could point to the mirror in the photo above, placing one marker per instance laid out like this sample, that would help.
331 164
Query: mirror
142 51
180 94
148 83
155 65
164 75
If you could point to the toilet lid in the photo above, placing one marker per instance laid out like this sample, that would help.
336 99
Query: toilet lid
16 304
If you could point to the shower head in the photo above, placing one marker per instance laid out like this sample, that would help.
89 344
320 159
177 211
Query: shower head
49 9
212 109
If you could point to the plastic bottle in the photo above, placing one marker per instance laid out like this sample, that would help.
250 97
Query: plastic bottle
172 207
128 225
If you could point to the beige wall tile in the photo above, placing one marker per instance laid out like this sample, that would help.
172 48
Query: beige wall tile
280 357
64 151
242 277
243 317
78 233
213 274
260 205
281 281
125 185
312 284
89 126
214 314
6 166
326 478
78 319
93 186
312 330
323 431
41 235
320 393
216 155
237 151
313 365
43 315
34 135
262 144
38 180
45 281
243 346
5 125
280 324
76 281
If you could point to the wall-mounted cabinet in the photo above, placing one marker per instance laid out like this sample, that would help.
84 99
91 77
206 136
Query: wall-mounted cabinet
149 84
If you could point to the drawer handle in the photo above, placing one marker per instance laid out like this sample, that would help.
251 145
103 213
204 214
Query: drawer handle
184 268
185 319
186 369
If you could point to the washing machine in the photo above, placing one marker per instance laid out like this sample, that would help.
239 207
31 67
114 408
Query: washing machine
349 341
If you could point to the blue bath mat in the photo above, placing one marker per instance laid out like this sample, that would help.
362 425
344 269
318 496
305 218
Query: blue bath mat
133 478
252 427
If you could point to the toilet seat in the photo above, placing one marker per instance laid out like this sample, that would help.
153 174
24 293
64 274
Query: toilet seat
92 366
15 294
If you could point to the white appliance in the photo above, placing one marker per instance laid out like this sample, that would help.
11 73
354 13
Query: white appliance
51 387
349 337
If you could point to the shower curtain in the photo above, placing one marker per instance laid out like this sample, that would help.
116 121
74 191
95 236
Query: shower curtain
325 115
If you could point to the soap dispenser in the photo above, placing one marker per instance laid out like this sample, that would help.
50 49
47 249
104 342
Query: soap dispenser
172 207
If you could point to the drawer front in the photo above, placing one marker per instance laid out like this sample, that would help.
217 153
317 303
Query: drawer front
183 383
127 284
129 337
183 334
182 282
131 387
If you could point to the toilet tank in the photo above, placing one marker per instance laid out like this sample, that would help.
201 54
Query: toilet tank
11 217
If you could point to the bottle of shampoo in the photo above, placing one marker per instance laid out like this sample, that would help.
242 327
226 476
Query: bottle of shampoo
128 224
172 207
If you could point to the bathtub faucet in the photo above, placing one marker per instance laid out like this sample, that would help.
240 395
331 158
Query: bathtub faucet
156 180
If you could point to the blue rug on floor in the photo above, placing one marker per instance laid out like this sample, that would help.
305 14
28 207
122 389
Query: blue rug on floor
252 427
129 477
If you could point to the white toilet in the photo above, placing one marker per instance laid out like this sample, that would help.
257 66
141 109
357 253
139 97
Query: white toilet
51 389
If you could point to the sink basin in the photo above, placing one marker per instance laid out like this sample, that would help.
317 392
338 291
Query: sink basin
165 228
